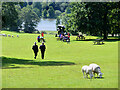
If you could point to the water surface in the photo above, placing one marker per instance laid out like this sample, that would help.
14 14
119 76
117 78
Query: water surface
47 25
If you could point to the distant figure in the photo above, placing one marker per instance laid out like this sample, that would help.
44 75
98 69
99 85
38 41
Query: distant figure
18 36
68 39
42 34
68 34
42 48
9 35
61 37
38 38
35 49
55 35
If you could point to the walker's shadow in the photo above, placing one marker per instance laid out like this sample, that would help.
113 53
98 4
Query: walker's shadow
7 63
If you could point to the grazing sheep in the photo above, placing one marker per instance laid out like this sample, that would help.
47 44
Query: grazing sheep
96 69
17 35
12 36
9 35
4 35
87 70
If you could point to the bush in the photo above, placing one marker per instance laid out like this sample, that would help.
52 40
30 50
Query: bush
38 32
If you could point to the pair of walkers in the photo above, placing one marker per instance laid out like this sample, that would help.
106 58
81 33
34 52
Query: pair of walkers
42 49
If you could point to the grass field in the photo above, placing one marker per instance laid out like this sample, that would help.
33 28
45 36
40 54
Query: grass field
61 67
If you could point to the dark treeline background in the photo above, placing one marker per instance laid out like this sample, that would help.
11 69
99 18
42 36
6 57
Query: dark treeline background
93 18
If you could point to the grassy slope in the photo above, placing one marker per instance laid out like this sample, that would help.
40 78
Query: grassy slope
59 76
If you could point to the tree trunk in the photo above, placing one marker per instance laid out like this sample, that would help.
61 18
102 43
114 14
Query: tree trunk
112 34
105 35
105 26
100 33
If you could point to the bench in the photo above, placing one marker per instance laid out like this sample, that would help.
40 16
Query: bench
80 37
98 41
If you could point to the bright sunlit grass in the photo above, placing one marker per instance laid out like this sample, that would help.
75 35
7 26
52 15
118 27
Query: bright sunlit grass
61 67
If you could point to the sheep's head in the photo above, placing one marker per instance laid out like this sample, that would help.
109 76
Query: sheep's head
100 74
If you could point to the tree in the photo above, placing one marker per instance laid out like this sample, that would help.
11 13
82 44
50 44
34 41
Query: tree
57 6
9 16
91 17
44 13
57 13
57 21
45 6
29 19
102 12
51 12
19 20
63 6
37 11
0 16
38 5
114 21
52 4
67 10
23 4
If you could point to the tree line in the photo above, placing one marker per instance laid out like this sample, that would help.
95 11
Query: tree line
94 18
26 15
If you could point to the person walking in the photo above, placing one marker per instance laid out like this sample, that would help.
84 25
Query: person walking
35 49
42 49
42 34
38 38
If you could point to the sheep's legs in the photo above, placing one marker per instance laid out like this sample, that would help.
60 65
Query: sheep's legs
86 75
94 74
97 75
83 74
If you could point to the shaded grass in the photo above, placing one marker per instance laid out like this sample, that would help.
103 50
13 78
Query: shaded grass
7 62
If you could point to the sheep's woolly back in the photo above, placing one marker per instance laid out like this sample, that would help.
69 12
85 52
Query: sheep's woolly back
86 69
94 66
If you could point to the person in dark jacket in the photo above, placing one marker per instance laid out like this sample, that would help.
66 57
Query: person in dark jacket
35 49
42 49
38 38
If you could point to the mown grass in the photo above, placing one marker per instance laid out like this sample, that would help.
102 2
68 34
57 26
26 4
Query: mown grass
61 67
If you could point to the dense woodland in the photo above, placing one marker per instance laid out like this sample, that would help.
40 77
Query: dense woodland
93 18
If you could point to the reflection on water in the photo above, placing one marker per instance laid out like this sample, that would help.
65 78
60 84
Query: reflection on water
47 25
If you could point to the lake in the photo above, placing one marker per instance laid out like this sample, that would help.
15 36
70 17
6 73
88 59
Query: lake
47 25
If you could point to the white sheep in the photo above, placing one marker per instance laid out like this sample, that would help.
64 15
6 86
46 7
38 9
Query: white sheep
87 70
9 35
4 35
17 35
96 69
12 36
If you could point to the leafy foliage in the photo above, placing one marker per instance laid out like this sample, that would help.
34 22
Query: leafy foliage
92 18
30 19
44 14
51 12
38 5
9 16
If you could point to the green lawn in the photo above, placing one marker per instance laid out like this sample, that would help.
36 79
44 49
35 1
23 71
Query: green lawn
62 65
